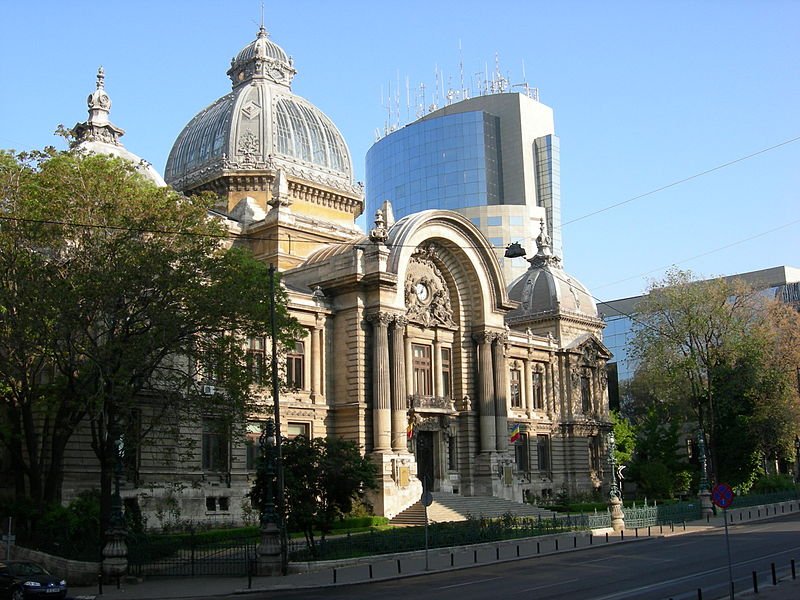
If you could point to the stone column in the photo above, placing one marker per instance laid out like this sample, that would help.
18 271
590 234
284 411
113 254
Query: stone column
500 394
438 381
381 384
316 364
399 396
486 416
410 370
527 387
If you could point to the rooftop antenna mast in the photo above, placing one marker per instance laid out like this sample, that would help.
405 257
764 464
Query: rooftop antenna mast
435 104
408 99
461 70
397 102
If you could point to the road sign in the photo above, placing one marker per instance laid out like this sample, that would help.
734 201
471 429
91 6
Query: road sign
722 495
427 498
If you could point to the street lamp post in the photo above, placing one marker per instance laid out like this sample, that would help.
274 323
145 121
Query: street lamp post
614 500
269 549
797 459
705 492
115 551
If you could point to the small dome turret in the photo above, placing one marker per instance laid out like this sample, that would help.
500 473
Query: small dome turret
99 135
546 289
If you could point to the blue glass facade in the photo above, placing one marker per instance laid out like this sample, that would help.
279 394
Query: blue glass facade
449 162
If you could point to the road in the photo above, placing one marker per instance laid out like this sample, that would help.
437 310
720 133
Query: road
671 567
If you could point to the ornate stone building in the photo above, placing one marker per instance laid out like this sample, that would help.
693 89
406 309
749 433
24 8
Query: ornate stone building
414 346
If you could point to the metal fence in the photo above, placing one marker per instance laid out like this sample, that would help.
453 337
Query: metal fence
440 535
190 555
661 514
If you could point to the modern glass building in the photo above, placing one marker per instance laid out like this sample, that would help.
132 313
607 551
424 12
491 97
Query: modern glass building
493 158
781 283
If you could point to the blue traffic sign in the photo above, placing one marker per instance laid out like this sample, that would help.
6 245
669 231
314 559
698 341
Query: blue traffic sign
722 495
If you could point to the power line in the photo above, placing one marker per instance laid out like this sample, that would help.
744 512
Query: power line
696 256
678 182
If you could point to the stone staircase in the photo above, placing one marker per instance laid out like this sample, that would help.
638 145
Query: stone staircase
451 507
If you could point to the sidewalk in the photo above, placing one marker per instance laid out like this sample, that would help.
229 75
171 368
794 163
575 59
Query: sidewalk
411 564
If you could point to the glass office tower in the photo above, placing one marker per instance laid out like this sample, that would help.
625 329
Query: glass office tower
493 158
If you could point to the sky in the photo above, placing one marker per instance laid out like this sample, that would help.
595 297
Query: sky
679 120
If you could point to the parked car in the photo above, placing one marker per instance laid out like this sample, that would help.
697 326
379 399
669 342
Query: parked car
20 580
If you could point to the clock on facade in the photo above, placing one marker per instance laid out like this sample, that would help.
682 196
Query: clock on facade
422 291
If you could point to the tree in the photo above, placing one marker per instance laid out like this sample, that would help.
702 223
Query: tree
322 479
119 295
710 351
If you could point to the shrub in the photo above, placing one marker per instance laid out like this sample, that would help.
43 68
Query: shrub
767 484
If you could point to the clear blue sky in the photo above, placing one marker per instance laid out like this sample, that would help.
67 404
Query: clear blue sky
645 94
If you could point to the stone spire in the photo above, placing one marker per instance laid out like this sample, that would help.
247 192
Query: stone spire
545 255
97 127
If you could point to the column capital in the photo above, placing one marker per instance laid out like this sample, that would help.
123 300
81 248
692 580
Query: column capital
379 318
400 321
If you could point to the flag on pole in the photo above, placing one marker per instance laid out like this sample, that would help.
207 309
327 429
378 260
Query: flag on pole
410 430
514 436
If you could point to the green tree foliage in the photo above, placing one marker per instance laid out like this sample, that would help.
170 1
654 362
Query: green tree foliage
120 297
323 477
717 355
624 438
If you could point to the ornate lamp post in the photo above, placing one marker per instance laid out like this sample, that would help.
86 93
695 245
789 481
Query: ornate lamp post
115 551
797 459
614 500
269 550
705 492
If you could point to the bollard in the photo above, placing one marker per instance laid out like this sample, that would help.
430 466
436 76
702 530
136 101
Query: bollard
635 532
661 528
755 583
475 552
452 559
774 576
334 575
606 537
622 535
398 566
537 547
497 552
740 516
100 584
517 550
794 574
250 574
556 544
370 571
699 594
591 538
648 531
574 541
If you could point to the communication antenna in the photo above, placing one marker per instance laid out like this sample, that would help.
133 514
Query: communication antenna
408 100
461 65
397 102
435 104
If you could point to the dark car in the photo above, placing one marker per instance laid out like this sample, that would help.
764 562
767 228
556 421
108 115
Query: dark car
21 580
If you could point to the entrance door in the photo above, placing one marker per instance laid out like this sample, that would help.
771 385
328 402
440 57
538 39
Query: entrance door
425 458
